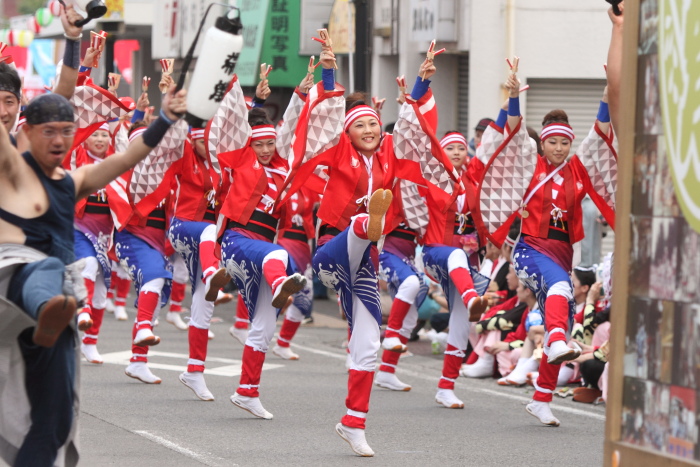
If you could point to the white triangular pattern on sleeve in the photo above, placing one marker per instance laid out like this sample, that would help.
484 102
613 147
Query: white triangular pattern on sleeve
507 178
598 158
149 173
91 106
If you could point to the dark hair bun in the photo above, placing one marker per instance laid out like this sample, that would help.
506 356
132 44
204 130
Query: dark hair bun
555 116
355 99
258 116
136 125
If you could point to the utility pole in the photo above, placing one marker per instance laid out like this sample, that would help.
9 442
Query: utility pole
363 45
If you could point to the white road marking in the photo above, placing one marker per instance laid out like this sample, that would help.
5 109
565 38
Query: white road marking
491 392
319 351
208 460
233 367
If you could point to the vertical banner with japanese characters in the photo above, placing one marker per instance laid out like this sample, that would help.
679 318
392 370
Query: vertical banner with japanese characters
281 44
253 17
166 33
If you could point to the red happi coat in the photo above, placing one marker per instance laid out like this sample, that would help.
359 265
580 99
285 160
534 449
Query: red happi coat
194 183
78 158
434 215
300 213
245 182
134 194
320 141
514 169
444 209
346 192
243 179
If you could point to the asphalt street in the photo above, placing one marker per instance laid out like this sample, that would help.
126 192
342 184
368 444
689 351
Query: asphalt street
125 422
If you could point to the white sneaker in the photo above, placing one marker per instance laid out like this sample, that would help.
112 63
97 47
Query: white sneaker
289 286
565 374
394 344
145 336
542 411
559 353
284 352
241 335
447 398
140 371
84 321
176 320
387 380
109 306
120 313
195 381
91 354
355 437
251 404
210 335
518 376
483 368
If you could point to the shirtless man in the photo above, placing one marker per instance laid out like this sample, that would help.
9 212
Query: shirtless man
37 202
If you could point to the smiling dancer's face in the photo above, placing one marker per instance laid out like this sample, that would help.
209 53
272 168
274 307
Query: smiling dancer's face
364 134
457 152
264 149
98 143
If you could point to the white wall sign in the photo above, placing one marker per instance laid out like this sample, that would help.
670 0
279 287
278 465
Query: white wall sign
166 33
424 20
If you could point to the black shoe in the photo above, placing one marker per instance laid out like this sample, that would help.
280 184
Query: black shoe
308 320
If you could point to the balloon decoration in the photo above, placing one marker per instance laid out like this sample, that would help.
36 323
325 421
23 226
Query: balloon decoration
33 25
16 38
55 8
44 17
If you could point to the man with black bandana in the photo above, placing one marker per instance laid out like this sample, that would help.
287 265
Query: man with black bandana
65 85
37 199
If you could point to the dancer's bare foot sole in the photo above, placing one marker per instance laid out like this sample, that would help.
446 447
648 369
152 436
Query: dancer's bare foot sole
291 285
219 279
479 306
379 204
55 315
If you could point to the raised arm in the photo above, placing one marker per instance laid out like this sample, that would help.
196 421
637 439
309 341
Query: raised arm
290 119
262 92
603 119
513 87
9 157
614 66
71 55
90 178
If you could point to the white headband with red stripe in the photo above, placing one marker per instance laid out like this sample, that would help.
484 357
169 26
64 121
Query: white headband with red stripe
557 129
104 127
263 132
136 133
452 138
359 112
197 133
